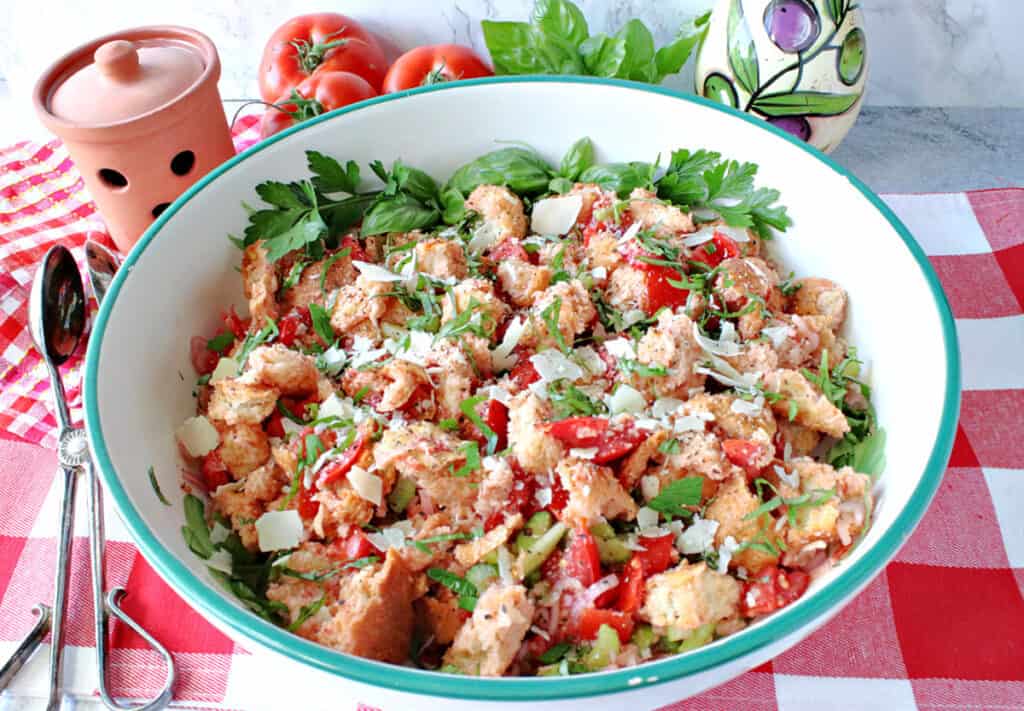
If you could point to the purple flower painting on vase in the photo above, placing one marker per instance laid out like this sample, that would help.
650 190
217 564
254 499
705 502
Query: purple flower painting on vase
799 64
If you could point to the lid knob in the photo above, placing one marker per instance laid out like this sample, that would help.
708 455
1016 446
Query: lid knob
117 60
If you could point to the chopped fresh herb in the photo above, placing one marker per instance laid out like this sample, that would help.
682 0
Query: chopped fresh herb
794 410
787 287
551 315
629 365
463 322
253 340
293 274
569 401
221 342
196 531
424 543
321 323
468 408
676 496
359 563
156 486
554 654
449 424
471 451
466 591
360 394
312 448
813 498
670 446
307 611
328 263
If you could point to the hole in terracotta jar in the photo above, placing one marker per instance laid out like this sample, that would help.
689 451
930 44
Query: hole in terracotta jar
183 163
112 179
158 210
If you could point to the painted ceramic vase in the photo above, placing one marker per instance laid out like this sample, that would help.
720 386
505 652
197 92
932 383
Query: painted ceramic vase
799 64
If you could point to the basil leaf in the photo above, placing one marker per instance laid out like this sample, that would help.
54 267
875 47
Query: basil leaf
604 56
671 58
453 203
156 486
520 169
680 493
196 531
401 213
639 61
560 19
306 612
453 582
221 342
331 177
560 185
577 159
514 48
555 653
321 323
414 182
620 177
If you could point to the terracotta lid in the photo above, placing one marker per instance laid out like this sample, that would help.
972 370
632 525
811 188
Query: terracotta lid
127 83
126 79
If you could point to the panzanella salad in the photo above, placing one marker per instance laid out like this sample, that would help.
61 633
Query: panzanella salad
534 421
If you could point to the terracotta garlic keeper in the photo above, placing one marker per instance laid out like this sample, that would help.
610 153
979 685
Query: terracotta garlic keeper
141 117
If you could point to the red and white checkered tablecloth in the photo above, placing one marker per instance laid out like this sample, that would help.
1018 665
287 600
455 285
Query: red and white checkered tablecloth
926 634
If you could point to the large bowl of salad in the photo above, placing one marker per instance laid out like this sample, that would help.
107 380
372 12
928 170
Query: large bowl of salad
520 390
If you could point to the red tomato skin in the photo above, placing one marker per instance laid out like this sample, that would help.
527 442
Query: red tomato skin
592 619
582 560
289 326
594 432
743 453
203 359
659 292
523 373
274 426
235 323
341 466
308 508
353 547
331 89
631 589
771 589
451 61
725 248
509 248
355 250
496 417
280 69
214 472
658 554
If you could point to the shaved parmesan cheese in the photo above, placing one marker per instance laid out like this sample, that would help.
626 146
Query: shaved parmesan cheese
375 272
496 392
723 348
484 237
369 486
589 359
540 389
650 486
631 232
748 407
360 359
792 480
198 436
391 537
551 365
278 530
226 368
648 423
620 348
699 237
727 333
543 496
583 452
555 216
689 423
665 406
502 355
626 398
505 566
599 273
420 344
698 537
705 234
725 551
633 315
646 518
335 406
777 334
219 532
220 560
333 359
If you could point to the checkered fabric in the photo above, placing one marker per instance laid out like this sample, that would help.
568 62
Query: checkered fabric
925 634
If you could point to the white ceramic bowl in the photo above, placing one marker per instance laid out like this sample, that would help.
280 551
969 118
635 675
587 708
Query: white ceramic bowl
181 275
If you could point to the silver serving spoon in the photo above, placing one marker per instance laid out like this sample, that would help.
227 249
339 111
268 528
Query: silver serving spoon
57 316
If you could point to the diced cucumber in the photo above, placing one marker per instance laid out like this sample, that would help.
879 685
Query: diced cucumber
402 494
602 529
605 649
531 559
698 638
481 575
539 523
612 550
524 541
644 636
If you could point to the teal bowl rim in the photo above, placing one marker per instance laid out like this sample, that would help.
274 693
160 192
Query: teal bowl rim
204 597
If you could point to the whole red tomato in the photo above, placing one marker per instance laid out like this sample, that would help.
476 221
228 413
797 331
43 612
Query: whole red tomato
325 42
433 64
324 91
